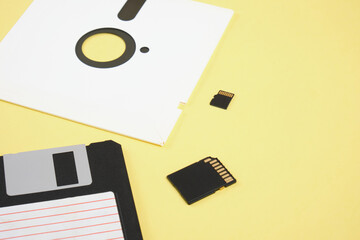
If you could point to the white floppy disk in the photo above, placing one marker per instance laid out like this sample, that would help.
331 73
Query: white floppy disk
168 44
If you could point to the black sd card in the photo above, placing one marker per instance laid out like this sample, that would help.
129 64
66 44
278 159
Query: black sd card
201 179
222 99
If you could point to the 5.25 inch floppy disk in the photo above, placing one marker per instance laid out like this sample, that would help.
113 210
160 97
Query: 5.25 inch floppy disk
168 43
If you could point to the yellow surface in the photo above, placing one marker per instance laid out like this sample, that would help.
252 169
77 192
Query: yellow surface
291 135
103 47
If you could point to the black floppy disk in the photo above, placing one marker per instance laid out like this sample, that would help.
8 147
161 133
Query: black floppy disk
68 192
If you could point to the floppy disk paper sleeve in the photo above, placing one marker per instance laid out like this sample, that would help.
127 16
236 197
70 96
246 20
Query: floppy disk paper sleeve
40 69
67 192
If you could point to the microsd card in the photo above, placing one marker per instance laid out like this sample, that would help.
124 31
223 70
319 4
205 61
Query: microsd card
222 99
201 179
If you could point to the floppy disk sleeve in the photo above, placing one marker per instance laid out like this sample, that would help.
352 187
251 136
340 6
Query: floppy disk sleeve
108 173
40 68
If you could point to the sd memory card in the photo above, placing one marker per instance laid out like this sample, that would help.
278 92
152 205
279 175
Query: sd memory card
201 179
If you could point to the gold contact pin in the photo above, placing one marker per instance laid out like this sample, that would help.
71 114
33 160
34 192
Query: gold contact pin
220 170
216 168
207 160
229 179
216 165
225 176
213 161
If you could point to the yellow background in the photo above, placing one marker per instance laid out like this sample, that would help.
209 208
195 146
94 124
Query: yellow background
291 135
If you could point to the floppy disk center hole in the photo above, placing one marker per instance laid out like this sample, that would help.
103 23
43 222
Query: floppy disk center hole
104 47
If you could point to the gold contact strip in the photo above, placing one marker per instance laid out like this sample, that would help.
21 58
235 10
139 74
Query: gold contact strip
224 172
207 160
214 165
225 176
227 94
213 161
216 168
229 179
220 170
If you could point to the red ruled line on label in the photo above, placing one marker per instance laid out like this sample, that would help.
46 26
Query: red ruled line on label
63 230
69 205
55 215
48 224
72 237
